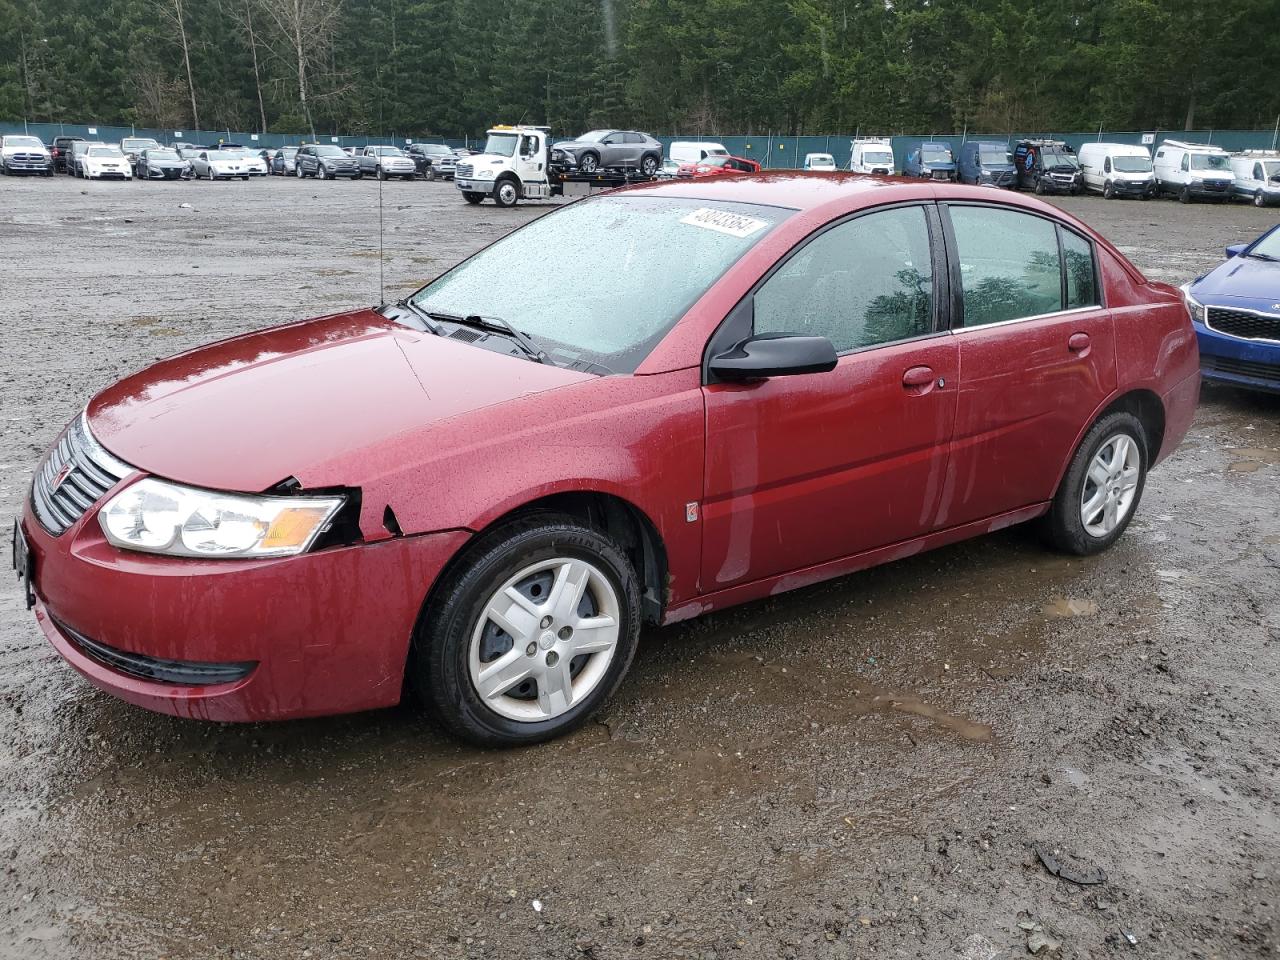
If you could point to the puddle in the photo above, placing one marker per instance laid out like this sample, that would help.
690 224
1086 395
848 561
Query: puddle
1069 607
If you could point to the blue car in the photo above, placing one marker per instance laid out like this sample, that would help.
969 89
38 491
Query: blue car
1235 309
930 160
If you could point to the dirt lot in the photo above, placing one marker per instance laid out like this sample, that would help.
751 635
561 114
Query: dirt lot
859 769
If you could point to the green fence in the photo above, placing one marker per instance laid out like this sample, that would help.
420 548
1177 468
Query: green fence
779 153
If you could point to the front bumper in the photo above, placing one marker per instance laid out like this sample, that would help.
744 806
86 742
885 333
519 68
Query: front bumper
1210 190
23 165
1133 188
321 633
1251 364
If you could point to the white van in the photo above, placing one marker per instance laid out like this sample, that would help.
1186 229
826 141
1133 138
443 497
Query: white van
871 155
819 161
694 151
1257 175
1193 170
1117 170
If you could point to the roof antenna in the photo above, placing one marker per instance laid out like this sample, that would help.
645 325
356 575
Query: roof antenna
382 287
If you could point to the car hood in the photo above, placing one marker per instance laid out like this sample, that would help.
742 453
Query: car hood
305 400
1240 279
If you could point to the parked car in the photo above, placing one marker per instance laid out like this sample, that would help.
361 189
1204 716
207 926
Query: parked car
871 156
386 162
282 161
718 167
252 164
692 151
931 160
104 161
600 149
20 153
1047 166
710 461
210 164
1117 170
1257 176
433 160
326 161
1193 171
162 163
819 161
668 170
76 156
181 145
986 163
132 148
189 152
1235 309
59 152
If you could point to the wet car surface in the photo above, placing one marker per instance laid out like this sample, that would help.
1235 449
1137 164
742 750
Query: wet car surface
855 769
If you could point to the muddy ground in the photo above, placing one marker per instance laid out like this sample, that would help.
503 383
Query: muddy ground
859 769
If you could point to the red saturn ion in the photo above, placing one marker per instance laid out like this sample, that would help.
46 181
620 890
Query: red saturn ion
642 407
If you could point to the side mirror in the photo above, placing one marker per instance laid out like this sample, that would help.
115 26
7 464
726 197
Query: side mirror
1235 249
774 355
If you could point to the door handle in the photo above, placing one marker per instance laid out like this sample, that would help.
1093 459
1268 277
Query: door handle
1079 343
918 381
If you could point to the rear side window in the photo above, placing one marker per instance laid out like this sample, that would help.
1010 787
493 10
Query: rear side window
1081 277
1009 264
863 282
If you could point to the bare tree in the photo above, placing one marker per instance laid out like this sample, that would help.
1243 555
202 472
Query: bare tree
242 13
174 12
307 27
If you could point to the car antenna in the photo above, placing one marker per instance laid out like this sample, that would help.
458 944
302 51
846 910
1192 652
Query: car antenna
382 286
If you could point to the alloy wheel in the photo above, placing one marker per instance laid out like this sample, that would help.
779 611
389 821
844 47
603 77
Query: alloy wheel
1110 485
545 639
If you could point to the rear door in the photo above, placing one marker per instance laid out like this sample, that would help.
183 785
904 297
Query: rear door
1037 356
806 469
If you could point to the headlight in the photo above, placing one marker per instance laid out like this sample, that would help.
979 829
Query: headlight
483 174
155 516
1194 306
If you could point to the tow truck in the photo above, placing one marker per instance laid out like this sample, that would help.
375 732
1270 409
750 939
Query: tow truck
518 163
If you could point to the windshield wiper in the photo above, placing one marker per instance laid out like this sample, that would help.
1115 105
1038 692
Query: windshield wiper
1263 256
499 326
424 318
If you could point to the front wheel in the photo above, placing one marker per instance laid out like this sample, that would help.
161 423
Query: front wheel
1108 191
529 635
430 174
1102 487
506 193
1184 195
588 163
1259 199
472 198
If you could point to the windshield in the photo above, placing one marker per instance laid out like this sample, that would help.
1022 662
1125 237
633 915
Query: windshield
601 281
160 153
1271 168
595 134
1209 161
934 155
105 152
501 144
437 151
1268 246
33 142
1056 158
714 162
386 151
329 151
137 144
877 156
993 154
234 153
822 160
288 151
1131 164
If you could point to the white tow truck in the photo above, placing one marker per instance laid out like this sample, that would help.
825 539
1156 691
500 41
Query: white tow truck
517 163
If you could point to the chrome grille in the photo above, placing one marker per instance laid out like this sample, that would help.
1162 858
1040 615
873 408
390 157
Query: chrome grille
463 170
74 476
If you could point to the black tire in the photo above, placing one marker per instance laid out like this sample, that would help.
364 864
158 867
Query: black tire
1062 526
1108 191
506 192
648 164
589 162
382 174
472 198
430 173
1259 199
438 671
1184 195
1039 187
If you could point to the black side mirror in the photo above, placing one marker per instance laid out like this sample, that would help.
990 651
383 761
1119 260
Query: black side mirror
1235 249
774 355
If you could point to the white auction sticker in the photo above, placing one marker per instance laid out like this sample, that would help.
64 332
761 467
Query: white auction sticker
721 221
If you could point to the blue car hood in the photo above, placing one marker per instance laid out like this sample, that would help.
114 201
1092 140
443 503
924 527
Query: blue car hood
1242 279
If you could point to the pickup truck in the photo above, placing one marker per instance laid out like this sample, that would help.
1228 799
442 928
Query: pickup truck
386 162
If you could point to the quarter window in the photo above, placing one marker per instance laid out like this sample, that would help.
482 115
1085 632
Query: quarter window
1009 264
864 282
1077 263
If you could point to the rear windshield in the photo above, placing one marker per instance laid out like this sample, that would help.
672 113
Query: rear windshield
600 282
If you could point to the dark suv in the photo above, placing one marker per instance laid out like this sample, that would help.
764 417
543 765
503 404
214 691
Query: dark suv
433 160
326 161
60 150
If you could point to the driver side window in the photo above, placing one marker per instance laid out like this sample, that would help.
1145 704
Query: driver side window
864 282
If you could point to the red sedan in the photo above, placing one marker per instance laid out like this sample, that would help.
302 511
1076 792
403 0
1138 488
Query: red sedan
751 384
717 167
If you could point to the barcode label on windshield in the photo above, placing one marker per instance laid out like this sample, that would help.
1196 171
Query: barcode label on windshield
721 221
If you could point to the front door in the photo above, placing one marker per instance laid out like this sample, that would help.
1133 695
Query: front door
1037 358
805 469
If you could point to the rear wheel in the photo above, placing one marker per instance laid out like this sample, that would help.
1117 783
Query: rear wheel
1102 487
648 164
505 192
529 635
